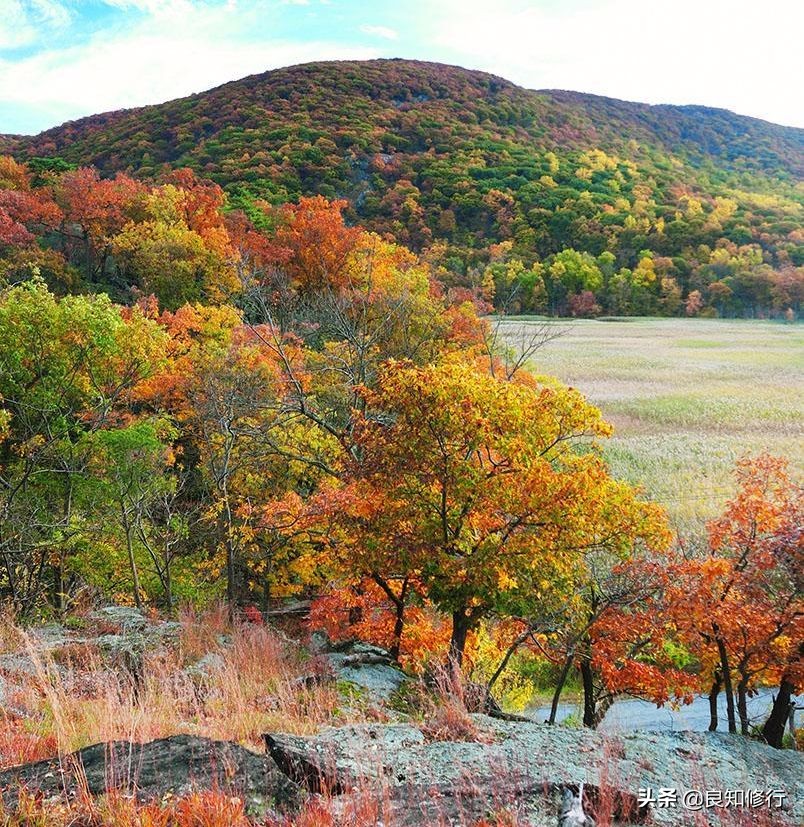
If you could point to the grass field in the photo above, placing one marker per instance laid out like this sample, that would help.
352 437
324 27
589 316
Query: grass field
687 397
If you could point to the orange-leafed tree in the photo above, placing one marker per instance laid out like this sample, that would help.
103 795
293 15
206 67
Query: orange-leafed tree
13 175
24 214
95 211
485 497
629 649
740 607
320 244
178 247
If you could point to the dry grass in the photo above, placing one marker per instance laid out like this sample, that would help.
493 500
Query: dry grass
245 684
11 636
201 809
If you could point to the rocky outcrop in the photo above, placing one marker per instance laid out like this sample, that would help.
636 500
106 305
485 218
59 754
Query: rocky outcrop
175 765
529 767
533 769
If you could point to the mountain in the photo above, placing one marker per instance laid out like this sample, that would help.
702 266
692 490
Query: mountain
430 152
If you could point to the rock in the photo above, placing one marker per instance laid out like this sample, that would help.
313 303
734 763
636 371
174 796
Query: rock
528 766
362 664
319 642
206 666
312 680
29 665
126 618
572 809
379 681
175 765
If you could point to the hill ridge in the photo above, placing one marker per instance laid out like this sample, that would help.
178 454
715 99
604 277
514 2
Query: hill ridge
432 153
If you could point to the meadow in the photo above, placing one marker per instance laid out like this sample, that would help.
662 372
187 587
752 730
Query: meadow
687 397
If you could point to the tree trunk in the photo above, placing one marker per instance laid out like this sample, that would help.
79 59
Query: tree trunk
562 679
602 707
8 563
167 583
457 643
724 669
520 639
714 692
587 678
231 590
399 602
58 585
399 627
231 585
773 731
742 705
131 561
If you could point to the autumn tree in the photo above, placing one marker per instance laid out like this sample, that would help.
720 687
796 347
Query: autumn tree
95 211
319 242
164 255
739 607
131 466
68 368
484 492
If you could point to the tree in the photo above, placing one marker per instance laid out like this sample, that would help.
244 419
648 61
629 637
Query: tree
739 608
68 368
694 303
234 399
95 211
131 464
164 255
319 242
485 496
629 651
576 271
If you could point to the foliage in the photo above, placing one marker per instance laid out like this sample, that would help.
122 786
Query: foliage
456 162
287 404
739 607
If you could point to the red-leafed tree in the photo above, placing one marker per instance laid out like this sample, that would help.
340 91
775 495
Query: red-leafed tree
740 608
95 210
320 243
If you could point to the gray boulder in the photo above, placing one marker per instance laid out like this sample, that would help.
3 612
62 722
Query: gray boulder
528 767
127 618
175 765
206 667
369 667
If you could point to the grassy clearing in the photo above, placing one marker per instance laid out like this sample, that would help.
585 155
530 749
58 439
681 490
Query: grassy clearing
687 397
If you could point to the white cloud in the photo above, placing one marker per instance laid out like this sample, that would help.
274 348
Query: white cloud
736 54
153 7
152 62
23 22
380 31
50 12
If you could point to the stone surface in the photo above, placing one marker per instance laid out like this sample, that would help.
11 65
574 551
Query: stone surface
528 766
127 618
364 665
209 664
173 765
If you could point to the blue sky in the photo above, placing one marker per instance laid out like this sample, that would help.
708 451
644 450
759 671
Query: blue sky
62 59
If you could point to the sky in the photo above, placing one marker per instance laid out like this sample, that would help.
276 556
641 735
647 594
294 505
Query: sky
63 59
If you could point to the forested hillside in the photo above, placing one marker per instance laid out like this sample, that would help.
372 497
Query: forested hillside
310 411
554 201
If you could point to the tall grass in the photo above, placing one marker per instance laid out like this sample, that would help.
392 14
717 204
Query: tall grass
247 682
